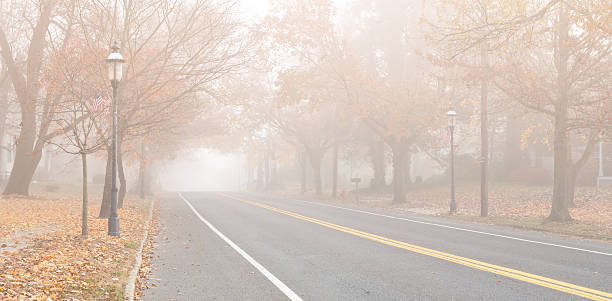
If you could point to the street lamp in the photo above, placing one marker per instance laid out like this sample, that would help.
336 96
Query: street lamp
115 72
452 115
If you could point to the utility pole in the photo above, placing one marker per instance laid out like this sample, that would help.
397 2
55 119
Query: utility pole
484 140
335 154
452 116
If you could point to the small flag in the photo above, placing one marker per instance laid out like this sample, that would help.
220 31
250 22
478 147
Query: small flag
101 103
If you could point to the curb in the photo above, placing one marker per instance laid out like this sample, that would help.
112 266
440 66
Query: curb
130 287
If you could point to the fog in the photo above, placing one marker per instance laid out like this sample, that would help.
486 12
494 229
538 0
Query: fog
314 133
204 170
308 97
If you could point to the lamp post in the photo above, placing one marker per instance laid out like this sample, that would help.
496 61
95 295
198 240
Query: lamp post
115 68
451 128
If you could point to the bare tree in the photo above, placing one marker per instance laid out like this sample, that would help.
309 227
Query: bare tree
80 116
84 136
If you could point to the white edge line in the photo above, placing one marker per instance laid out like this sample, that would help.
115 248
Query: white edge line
460 229
279 284
457 228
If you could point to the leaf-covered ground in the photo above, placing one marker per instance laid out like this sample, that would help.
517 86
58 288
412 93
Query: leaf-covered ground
43 256
509 204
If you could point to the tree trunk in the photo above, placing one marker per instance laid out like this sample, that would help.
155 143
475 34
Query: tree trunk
273 171
141 172
576 167
512 146
377 153
571 188
23 171
84 215
399 155
26 88
106 194
260 176
267 173
408 165
106 197
249 172
303 164
560 210
316 171
316 157
122 180
492 138
142 192
4 89
335 170
571 175
27 155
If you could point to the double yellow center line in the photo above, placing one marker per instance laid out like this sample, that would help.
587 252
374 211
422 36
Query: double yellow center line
476 264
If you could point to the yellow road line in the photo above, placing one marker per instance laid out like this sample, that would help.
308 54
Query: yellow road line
476 264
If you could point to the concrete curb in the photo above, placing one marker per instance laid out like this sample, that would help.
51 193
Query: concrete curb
130 287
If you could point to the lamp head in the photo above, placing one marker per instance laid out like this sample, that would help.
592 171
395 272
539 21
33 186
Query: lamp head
452 115
115 64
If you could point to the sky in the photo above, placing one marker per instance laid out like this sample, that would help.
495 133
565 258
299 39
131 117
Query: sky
256 9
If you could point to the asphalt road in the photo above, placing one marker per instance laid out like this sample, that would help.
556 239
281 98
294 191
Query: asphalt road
238 246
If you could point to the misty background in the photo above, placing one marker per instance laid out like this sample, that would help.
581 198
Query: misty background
322 98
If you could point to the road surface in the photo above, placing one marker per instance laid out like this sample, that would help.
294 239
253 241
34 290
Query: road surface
239 246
